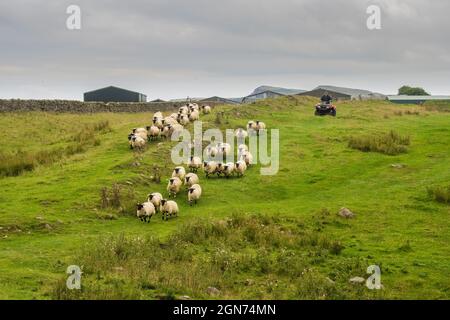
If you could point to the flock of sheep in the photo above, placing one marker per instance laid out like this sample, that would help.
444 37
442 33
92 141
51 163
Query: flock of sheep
164 127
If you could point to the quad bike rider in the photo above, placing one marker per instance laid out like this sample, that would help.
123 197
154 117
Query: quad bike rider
325 107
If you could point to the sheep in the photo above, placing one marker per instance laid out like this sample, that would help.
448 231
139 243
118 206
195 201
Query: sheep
240 168
241 149
206 109
241 134
228 169
166 131
220 168
251 125
260 126
145 211
153 132
157 115
194 194
194 116
194 163
209 168
183 119
179 172
191 179
158 122
141 132
169 120
183 110
174 186
155 198
211 151
168 209
247 157
194 106
176 128
138 142
224 148
130 141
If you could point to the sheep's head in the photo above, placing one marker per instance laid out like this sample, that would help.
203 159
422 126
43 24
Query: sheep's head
150 196
171 181
139 206
191 190
163 202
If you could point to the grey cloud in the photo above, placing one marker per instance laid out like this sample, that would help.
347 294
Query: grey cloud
173 48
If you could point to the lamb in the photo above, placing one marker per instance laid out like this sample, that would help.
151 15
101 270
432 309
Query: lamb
240 168
228 169
206 109
191 179
209 168
158 115
224 148
194 163
138 142
174 186
241 134
145 211
194 116
247 157
179 172
251 125
168 209
153 132
155 198
158 122
194 194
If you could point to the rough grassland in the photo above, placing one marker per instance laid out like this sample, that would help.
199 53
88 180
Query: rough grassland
51 217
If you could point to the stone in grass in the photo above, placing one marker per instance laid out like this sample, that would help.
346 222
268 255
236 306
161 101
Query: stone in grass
357 280
212 291
397 166
184 298
346 213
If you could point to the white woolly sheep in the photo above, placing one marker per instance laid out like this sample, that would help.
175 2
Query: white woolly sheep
228 169
153 132
211 151
166 131
206 109
145 211
194 116
155 198
260 126
247 157
194 163
179 172
183 119
209 167
191 179
169 209
194 194
183 110
220 168
241 134
223 148
174 186
138 142
240 168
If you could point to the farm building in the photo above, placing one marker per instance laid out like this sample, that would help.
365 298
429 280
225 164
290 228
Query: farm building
404 99
218 100
114 94
261 95
340 93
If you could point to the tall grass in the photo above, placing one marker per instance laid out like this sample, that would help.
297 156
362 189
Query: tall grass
15 163
245 257
440 193
388 143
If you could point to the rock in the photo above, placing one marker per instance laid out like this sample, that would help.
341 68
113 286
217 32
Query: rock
212 291
184 298
357 280
47 226
397 166
248 282
346 213
39 218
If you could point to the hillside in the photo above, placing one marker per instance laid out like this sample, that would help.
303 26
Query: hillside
256 237
284 91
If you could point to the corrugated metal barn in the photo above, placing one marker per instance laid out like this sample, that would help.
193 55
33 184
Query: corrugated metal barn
114 94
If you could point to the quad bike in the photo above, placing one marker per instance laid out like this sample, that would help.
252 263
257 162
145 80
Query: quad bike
323 109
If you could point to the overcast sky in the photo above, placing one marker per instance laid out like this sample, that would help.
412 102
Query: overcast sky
199 48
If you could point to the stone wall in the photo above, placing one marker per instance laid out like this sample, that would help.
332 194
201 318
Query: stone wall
72 106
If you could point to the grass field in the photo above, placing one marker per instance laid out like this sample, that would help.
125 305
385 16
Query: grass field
254 237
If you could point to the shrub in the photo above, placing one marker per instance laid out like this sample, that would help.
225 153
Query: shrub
390 143
440 193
